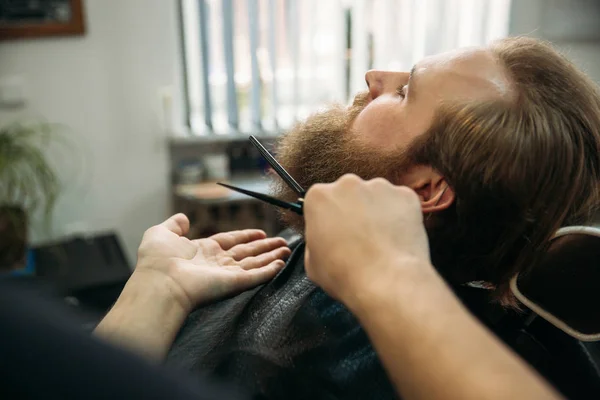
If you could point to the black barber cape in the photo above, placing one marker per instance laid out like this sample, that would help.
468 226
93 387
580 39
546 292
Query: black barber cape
284 340
289 340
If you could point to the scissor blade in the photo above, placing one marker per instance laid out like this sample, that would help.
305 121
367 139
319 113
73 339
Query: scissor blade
291 182
297 208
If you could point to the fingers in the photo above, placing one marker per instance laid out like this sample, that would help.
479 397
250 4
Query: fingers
261 260
178 224
254 277
227 240
256 248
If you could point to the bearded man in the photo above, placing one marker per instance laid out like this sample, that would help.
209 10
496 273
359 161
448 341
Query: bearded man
502 146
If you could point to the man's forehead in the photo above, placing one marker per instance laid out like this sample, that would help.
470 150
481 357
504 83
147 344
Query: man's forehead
468 72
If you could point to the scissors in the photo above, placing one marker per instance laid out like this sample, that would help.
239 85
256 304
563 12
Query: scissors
287 178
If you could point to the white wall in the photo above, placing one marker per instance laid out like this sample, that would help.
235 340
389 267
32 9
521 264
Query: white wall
545 19
104 87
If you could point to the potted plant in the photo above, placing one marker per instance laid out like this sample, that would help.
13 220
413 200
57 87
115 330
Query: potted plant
28 184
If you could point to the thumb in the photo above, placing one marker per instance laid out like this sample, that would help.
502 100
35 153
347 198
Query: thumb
178 224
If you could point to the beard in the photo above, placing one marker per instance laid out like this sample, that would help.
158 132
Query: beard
325 147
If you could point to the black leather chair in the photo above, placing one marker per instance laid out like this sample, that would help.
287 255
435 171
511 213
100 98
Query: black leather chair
564 290
557 331
563 294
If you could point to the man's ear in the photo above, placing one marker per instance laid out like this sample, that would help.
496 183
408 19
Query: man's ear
433 189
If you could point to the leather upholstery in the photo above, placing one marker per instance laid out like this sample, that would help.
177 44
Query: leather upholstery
565 287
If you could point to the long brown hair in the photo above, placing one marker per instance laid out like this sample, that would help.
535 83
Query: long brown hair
520 167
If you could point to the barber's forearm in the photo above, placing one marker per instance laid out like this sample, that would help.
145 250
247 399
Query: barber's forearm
433 348
145 318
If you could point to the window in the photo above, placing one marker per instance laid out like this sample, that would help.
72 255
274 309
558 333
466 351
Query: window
260 65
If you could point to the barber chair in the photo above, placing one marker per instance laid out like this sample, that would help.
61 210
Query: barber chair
565 289
564 292
558 329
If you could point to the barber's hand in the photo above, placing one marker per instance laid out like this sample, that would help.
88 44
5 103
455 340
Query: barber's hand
199 271
359 232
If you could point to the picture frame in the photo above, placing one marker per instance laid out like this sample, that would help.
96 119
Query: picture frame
21 19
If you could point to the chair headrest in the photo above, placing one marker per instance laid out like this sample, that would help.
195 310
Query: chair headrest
564 288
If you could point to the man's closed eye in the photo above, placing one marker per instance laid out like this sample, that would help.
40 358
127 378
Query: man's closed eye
402 90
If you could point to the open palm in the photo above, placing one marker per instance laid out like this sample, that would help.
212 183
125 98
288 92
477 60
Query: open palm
203 270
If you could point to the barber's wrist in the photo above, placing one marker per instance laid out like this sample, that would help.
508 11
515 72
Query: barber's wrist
146 317
398 281
155 286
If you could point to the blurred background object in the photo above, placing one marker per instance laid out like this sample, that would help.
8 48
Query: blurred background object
40 18
28 184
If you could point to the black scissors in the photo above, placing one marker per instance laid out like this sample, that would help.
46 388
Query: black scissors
291 182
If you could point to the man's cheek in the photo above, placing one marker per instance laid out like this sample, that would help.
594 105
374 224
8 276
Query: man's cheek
381 117
375 132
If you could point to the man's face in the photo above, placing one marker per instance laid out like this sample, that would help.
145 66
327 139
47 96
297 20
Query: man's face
401 105
371 138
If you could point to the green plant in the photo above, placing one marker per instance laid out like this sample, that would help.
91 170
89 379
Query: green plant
28 184
27 180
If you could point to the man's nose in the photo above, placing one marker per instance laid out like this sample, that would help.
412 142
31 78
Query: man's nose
381 82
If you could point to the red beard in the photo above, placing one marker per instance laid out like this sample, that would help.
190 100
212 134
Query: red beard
324 147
